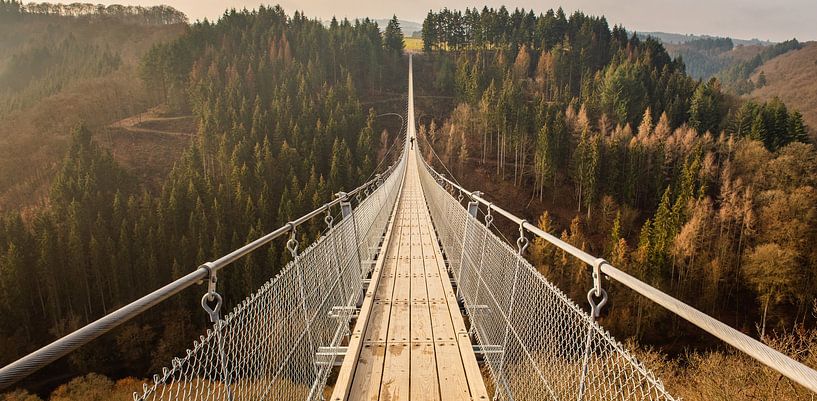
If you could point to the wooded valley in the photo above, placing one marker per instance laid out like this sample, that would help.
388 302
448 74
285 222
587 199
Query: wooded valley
598 135
683 184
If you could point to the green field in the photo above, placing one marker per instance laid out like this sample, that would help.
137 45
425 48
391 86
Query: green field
413 44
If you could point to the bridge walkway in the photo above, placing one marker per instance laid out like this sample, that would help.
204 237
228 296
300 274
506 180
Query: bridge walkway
410 341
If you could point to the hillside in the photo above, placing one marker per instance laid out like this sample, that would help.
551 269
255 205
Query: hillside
632 165
791 77
678 38
408 27
704 63
57 71
199 138
283 115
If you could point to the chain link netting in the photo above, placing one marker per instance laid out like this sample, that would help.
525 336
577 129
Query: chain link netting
538 344
269 346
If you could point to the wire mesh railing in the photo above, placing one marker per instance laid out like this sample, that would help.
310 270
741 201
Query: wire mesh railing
538 344
269 346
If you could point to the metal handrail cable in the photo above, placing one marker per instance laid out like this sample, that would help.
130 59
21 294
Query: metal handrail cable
36 360
794 370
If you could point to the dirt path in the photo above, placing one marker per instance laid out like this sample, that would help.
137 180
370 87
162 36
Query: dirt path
132 123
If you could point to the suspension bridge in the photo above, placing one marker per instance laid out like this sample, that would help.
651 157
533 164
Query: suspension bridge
408 296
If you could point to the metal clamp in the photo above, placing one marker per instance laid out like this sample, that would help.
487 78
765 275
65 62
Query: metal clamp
292 242
597 291
211 294
522 243
473 205
489 218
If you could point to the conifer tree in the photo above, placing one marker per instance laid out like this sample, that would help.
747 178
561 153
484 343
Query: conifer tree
393 37
706 108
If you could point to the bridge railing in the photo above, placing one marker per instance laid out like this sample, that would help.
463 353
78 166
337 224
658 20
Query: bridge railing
278 342
538 344
551 348
281 342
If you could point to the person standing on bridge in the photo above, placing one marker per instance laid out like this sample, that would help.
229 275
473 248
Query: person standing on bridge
412 142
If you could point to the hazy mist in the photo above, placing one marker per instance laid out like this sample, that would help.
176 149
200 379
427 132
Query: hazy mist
744 19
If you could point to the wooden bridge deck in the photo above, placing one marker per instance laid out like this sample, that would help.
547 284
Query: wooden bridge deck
410 341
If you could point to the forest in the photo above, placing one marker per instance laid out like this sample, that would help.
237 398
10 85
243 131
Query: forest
598 135
736 77
282 125
605 139
57 71
155 15
705 57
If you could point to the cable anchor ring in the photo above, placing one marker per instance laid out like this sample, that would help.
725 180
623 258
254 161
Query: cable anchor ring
211 294
522 243
594 307
597 291
329 219
214 311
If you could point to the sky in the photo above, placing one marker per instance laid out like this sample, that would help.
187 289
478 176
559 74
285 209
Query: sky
774 20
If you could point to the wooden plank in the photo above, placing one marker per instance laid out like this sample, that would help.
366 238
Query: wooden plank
368 371
396 378
451 374
441 323
368 374
421 328
395 384
476 384
347 373
378 327
400 317
424 382
416 346
399 323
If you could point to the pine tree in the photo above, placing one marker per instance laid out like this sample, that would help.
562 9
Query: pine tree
758 131
393 37
797 129
761 80
706 109
645 248
663 232
430 39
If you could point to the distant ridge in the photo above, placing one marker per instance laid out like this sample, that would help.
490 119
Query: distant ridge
790 77
408 27
412 28
678 38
